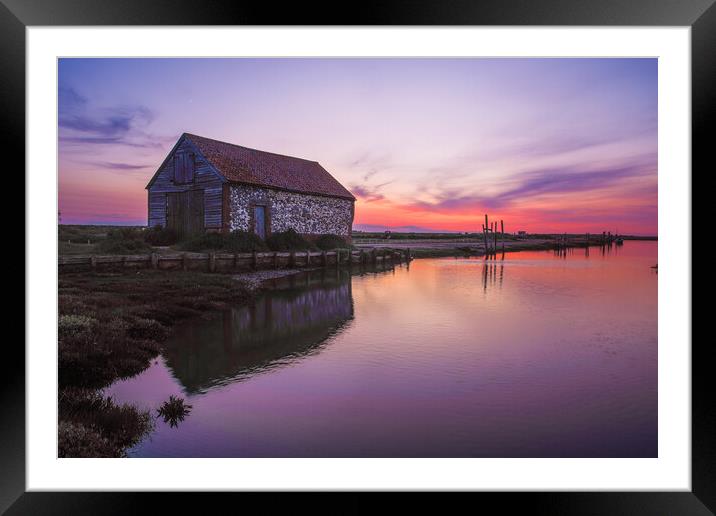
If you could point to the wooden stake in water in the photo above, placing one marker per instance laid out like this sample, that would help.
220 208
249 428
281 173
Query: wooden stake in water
484 235
494 240
502 235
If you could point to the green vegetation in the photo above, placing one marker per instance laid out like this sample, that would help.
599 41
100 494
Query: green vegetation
110 327
174 410
160 236
328 242
91 425
234 242
82 234
288 241
123 241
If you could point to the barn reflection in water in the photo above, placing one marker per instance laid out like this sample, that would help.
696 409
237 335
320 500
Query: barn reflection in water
292 320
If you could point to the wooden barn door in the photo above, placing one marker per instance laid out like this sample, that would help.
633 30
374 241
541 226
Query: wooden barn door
185 212
260 221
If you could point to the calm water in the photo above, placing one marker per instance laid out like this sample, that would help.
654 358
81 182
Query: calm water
531 356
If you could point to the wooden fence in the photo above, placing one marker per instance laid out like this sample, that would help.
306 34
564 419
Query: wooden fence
226 262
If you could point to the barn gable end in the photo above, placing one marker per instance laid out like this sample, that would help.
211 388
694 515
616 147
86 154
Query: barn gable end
205 178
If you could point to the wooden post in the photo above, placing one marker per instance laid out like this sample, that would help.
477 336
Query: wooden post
494 238
254 260
308 258
338 258
275 260
502 234
408 253
374 256
292 259
212 262
184 261
155 261
93 262
236 261
484 235
324 260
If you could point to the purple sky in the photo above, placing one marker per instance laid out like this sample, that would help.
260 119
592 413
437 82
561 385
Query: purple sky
546 144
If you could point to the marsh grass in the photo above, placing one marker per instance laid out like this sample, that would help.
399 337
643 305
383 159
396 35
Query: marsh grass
288 240
174 410
329 242
110 326
94 426
234 242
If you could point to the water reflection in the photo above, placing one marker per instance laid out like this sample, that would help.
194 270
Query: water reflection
290 321
492 274
533 355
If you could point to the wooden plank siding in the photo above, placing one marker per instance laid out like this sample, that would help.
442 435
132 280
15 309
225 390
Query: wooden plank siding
204 179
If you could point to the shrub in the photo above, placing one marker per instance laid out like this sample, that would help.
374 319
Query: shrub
327 242
141 328
96 426
159 235
76 440
235 242
244 242
174 410
123 246
287 241
123 241
74 325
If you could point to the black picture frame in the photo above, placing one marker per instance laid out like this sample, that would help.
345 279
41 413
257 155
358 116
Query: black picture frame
700 15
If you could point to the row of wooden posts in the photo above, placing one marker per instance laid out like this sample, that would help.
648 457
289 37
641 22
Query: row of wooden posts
490 234
225 262
605 240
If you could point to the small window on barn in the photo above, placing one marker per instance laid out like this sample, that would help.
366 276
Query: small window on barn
183 167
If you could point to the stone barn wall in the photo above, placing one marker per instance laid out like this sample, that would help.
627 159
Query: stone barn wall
306 214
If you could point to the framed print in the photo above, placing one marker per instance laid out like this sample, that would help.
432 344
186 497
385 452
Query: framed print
425 249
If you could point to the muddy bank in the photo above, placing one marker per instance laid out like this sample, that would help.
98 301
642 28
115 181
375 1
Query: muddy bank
255 280
433 248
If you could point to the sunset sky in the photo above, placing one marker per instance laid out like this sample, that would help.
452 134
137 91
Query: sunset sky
548 145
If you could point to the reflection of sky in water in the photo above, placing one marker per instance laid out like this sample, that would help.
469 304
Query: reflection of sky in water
534 355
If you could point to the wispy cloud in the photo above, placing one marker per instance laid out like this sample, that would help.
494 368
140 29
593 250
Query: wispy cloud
369 193
82 124
149 143
121 166
525 187
122 169
69 99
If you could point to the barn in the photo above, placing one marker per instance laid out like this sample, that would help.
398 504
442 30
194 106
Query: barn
209 185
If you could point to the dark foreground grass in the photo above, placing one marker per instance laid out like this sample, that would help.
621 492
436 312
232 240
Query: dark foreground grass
110 327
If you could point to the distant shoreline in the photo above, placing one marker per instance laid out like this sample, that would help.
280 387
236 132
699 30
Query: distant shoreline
405 234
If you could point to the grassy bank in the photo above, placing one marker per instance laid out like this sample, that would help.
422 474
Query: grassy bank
110 327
